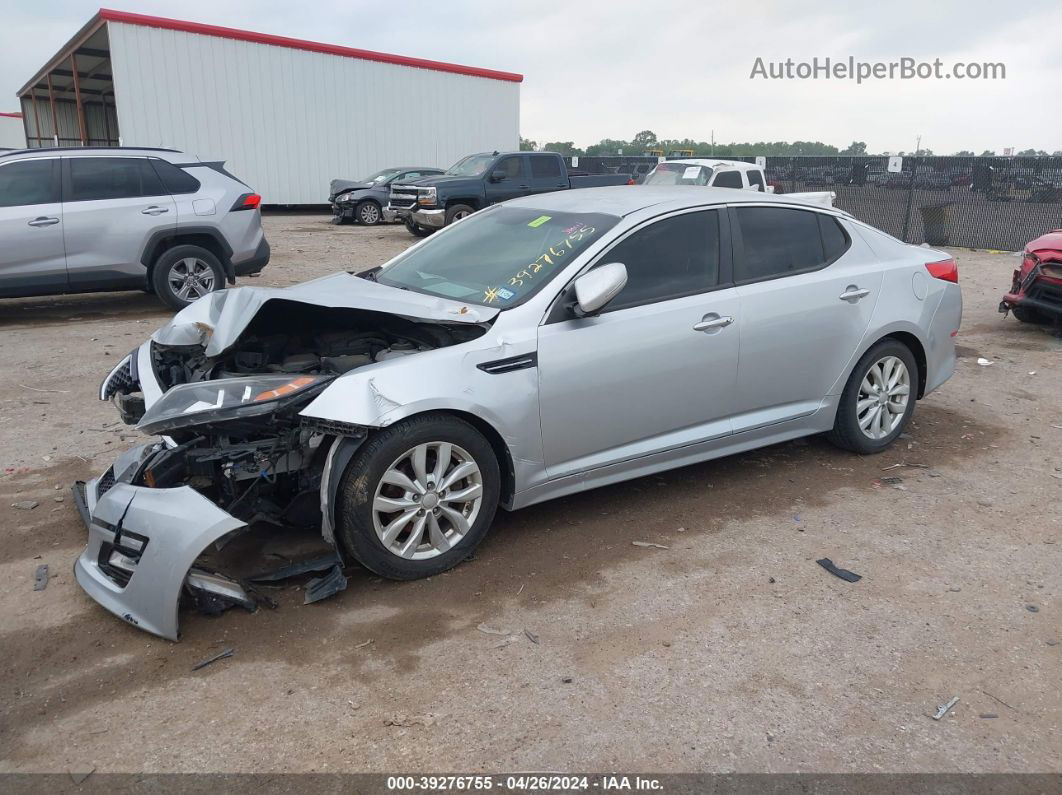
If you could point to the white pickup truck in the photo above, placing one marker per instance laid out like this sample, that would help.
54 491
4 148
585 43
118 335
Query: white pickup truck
711 172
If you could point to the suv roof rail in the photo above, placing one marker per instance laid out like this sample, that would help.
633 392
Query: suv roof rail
88 148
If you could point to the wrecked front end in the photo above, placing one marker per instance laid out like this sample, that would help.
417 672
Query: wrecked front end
1035 293
231 452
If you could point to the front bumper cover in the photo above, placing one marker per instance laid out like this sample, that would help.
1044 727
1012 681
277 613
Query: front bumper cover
433 219
143 543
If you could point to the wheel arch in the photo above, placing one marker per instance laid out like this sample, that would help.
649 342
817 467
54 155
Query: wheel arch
203 236
474 203
916 347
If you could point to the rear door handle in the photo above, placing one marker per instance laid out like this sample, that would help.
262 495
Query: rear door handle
853 293
154 210
43 221
712 322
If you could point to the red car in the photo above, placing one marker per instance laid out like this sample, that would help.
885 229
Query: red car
1036 294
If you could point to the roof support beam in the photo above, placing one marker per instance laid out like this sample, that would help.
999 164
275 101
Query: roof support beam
55 119
82 127
36 119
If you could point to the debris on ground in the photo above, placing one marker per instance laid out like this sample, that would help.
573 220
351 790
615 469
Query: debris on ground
983 361
289 570
401 719
531 636
844 574
25 505
1032 608
40 577
363 644
489 630
944 709
905 464
322 587
219 656
649 544
988 715
892 480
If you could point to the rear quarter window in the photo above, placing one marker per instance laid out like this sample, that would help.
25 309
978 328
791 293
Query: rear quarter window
175 180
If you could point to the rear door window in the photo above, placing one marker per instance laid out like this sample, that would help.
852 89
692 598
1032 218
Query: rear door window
95 178
728 179
779 241
545 168
756 180
29 182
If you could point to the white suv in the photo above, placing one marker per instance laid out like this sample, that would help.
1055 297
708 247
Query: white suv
77 220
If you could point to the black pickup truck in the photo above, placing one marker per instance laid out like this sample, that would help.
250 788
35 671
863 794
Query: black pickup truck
480 180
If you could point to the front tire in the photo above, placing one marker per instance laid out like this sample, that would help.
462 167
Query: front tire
1025 315
458 211
417 230
183 274
418 497
878 400
368 213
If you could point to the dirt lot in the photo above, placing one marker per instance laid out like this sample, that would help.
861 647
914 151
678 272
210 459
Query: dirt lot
728 650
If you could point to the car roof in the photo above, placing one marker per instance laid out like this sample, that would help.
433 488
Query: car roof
626 199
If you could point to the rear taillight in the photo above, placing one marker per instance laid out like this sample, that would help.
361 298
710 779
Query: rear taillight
248 201
945 269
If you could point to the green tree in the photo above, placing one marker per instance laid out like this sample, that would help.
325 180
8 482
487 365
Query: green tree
963 153
527 145
855 149
562 148
643 141
988 153
610 146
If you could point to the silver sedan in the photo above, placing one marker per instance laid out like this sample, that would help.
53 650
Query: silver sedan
538 348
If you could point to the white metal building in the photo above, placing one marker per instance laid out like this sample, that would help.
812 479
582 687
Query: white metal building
12 135
286 115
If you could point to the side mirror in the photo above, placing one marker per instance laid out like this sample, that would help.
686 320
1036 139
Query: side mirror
593 290
498 176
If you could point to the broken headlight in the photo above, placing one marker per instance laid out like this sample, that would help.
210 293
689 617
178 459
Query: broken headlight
208 402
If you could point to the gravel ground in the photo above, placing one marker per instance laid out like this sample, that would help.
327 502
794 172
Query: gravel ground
728 649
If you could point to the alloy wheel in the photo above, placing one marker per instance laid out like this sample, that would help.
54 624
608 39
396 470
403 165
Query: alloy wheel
190 278
427 500
883 396
370 214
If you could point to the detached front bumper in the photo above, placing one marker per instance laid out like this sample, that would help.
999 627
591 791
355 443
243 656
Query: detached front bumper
143 543
433 219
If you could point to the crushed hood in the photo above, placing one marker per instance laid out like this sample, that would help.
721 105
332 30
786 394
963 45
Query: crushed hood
217 320
1047 247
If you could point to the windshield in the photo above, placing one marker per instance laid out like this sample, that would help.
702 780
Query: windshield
471 166
381 176
679 174
497 257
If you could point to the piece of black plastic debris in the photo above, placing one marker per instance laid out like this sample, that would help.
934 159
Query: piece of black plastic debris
531 636
988 715
567 680
40 577
844 574
1032 608
296 568
322 587
221 655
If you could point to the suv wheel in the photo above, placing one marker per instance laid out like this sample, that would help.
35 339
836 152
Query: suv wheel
458 211
183 274
418 497
368 213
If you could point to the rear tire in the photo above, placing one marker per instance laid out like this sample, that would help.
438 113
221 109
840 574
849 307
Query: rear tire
380 517
183 274
368 213
878 400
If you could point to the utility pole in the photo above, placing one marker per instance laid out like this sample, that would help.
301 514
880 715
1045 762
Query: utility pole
918 145
713 143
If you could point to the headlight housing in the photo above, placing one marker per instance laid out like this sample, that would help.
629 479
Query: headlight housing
208 402
428 197
345 197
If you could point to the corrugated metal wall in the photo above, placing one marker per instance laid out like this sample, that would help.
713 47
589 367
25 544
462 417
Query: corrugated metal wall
69 128
287 121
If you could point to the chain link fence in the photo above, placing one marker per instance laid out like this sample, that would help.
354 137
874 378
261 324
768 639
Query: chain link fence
974 202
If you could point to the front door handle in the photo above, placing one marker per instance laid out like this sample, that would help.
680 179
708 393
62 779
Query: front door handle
154 210
43 221
853 293
713 322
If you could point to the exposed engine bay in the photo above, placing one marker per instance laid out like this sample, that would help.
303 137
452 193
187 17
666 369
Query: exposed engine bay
234 452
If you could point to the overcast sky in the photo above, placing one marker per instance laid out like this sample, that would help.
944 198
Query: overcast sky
597 70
